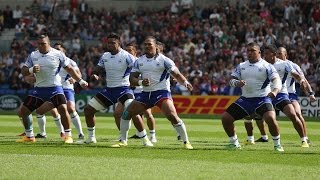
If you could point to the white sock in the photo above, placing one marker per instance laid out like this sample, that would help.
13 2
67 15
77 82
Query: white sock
142 134
42 124
57 121
181 129
304 139
91 132
68 132
29 133
234 140
265 137
276 140
76 122
152 133
250 138
124 129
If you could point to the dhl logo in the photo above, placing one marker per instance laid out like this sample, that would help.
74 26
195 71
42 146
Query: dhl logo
202 104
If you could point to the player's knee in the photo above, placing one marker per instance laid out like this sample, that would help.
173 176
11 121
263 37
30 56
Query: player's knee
127 103
89 110
62 109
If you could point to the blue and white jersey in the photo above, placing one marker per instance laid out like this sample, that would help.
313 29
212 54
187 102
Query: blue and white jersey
157 70
50 66
117 67
284 68
65 76
257 77
291 82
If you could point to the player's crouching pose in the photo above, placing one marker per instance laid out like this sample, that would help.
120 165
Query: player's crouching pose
45 63
117 64
253 76
155 69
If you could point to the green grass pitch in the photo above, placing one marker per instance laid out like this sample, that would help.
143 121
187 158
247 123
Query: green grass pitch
52 159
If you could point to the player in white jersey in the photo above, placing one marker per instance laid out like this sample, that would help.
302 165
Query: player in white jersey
290 84
254 77
68 89
282 101
282 54
131 48
155 69
117 64
45 63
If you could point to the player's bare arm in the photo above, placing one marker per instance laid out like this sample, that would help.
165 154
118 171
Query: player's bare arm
28 71
235 82
96 72
75 75
136 81
181 79
276 81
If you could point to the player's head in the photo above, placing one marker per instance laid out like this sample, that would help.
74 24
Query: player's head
59 46
43 43
132 49
270 52
282 53
150 46
160 47
253 51
113 43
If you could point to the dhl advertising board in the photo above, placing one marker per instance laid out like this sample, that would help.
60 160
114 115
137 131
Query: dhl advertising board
201 104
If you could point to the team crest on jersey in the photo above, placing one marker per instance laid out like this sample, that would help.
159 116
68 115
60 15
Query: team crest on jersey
259 69
141 64
158 64
119 61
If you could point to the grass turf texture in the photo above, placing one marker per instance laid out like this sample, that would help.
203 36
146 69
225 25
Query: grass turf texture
52 159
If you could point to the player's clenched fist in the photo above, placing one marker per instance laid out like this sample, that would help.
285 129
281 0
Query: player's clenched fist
34 69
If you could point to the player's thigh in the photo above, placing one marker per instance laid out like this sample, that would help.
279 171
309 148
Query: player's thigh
168 109
136 108
118 110
296 106
54 112
71 106
45 107
148 113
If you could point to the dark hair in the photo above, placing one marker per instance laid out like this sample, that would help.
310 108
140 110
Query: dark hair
253 44
59 44
114 36
271 47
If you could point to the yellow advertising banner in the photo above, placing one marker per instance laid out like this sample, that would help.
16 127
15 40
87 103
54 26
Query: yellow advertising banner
201 104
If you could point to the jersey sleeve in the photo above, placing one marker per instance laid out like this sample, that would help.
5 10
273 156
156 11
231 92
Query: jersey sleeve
29 62
271 72
101 61
236 72
130 60
289 68
298 69
169 65
73 64
135 67
64 60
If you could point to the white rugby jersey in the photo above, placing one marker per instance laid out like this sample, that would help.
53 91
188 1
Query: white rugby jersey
65 76
50 66
157 70
284 68
257 77
117 67
291 82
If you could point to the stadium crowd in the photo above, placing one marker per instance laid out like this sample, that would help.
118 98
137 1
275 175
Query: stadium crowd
205 43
